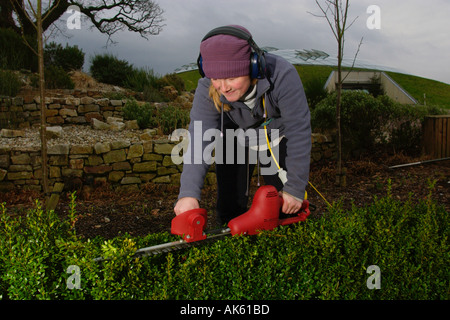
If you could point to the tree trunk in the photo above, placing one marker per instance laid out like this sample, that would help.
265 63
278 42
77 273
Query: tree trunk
42 100
340 175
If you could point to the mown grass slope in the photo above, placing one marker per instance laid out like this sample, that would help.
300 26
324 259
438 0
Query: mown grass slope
436 93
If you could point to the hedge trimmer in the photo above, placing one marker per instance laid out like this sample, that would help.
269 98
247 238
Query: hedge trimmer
264 214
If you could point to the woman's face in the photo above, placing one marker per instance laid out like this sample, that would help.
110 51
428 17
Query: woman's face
232 88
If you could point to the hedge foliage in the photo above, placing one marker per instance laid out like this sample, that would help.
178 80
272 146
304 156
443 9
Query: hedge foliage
14 53
166 118
321 258
367 121
68 58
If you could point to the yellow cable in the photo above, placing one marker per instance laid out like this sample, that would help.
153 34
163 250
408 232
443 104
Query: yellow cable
320 194
276 162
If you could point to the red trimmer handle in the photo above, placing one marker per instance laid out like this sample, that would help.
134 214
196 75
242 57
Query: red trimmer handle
301 215
190 225
264 214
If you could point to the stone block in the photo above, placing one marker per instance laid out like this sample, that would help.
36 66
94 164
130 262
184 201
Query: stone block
144 166
102 147
117 126
10 133
114 156
81 149
85 108
163 179
19 175
54 172
120 144
135 151
115 176
130 180
23 158
58 149
87 100
116 103
65 112
53 132
163 148
124 166
99 125
132 125
76 163
58 160
4 161
20 167
94 160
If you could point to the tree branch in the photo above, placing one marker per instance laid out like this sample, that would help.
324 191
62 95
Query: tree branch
354 59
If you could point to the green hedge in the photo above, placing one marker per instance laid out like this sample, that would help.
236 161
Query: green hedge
68 58
367 121
166 118
321 258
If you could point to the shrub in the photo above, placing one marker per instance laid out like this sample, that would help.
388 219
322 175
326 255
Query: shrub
367 121
321 258
171 118
107 68
314 91
172 79
31 257
68 58
10 83
139 79
361 117
166 118
150 84
57 78
406 126
144 114
14 53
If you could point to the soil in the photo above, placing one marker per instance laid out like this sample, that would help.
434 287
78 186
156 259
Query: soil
108 214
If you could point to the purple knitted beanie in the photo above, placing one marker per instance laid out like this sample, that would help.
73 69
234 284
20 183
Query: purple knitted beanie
225 56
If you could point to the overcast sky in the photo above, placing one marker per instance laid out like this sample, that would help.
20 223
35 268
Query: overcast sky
414 35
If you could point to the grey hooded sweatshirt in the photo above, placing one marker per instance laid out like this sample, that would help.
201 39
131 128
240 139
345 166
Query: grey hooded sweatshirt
287 110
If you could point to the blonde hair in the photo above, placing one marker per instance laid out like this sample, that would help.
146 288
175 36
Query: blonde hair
215 97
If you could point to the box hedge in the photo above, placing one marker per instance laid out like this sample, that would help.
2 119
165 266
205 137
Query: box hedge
321 258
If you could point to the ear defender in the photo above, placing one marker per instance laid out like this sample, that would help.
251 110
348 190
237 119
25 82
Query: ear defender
257 60
200 65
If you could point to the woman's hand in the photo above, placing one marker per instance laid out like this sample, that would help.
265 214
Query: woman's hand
185 204
291 204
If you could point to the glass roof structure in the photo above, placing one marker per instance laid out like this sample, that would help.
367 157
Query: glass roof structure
310 57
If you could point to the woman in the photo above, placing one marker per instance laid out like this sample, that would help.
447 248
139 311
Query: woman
244 88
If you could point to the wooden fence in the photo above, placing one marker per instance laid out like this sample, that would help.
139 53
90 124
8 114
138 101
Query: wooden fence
436 138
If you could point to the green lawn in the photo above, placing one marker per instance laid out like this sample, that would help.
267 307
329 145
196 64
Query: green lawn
437 93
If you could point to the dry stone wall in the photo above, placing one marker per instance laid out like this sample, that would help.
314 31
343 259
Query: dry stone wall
65 110
124 164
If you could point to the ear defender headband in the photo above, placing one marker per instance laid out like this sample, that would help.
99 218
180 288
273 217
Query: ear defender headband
257 60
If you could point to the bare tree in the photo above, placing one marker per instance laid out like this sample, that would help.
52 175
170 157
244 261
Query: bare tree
35 18
336 13
108 16
32 18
